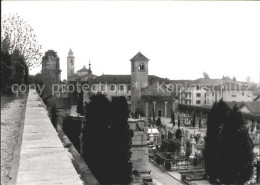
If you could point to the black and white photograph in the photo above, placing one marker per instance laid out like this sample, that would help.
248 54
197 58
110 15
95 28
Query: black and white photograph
128 92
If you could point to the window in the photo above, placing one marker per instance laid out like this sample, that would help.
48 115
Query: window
112 87
128 98
248 94
129 87
213 93
198 95
102 87
141 67
243 93
122 87
205 94
197 87
198 102
233 94
207 101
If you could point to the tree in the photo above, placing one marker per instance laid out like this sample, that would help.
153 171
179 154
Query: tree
6 71
173 118
234 79
72 129
218 115
236 154
173 146
21 37
20 69
13 69
193 123
153 114
179 121
107 139
120 167
95 135
80 102
206 75
200 123
178 134
158 122
188 149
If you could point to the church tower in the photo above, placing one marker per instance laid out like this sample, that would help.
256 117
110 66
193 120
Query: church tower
139 79
70 64
50 71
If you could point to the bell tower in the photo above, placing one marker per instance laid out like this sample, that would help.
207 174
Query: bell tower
139 78
70 64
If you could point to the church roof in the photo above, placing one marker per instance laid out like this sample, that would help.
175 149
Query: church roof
122 79
233 103
157 98
254 107
139 56
84 69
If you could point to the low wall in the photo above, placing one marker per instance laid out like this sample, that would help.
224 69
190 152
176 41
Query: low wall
43 159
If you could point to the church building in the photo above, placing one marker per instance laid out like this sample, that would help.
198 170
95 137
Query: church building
139 88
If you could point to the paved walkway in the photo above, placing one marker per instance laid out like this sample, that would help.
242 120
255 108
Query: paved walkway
163 176
43 159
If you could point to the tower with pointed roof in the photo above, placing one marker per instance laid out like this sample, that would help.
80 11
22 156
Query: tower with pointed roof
139 79
70 64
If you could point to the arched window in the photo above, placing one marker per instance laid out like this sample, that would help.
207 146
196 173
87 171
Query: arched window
141 67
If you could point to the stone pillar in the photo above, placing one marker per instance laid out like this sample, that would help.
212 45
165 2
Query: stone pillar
173 106
165 107
193 147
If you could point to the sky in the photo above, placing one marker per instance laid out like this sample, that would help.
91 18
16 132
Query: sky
181 39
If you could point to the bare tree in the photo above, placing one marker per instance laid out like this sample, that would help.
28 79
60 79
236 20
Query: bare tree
21 37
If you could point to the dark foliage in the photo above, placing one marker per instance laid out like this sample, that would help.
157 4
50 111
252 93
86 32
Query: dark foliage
173 118
107 140
13 70
158 122
217 116
120 134
178 134
80 102
228 152
188 149
170 135
179 121
174 146
193 123
54 116
6 72
72 128
153 114
236 154
95 135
